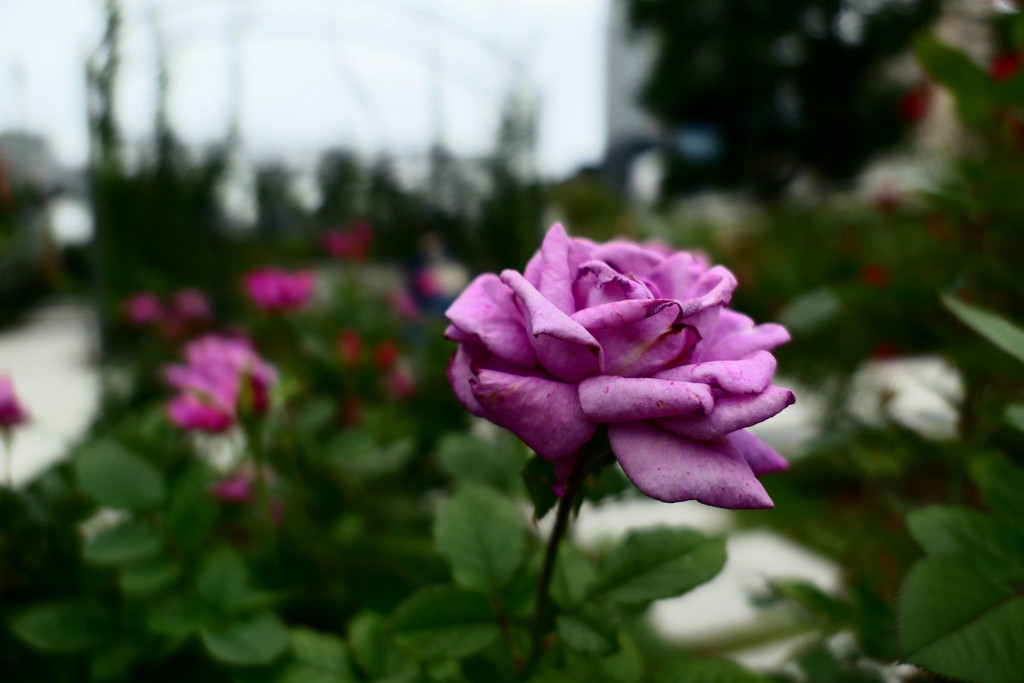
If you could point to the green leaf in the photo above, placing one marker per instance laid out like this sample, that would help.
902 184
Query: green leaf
319 658
572 576
810 311
364 637
626 665
444 622
63 626
191 510
948 530
114 661
968 83
176 617
963 618
539 476
149 576
128 542
588 631
481 535
224 583
652 564
707 671
1015 415
1001 484
254 641
813 599
114 477
995 328
468 458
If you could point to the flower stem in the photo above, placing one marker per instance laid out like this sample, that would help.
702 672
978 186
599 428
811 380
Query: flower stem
565 506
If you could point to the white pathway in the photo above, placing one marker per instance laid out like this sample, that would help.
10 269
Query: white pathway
49 360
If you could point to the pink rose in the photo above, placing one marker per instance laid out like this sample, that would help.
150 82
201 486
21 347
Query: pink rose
275 290
12 413
633 336
211 381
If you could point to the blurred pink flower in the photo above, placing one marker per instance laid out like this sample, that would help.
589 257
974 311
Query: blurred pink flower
191 304
12 413
403 304
276 290
427 284
235 489
142 309
210 383
351 242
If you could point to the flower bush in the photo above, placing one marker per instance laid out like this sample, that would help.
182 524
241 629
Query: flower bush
633 336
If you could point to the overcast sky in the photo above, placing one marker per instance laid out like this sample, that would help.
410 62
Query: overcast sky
370 74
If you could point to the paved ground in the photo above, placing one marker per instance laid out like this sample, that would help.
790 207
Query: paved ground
49 359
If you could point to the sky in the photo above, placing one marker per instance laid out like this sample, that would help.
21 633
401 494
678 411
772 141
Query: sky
305 75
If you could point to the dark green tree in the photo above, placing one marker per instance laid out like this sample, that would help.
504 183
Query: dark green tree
786 86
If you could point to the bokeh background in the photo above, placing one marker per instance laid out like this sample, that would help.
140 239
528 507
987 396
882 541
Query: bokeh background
851 161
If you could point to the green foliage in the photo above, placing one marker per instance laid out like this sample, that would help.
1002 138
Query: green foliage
708 671
996 329
961 610
127 542
444 622
482 536
115 477
63 626
657 563
319 658
247 642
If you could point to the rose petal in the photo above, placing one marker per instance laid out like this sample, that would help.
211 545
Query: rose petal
598 283
675 277
460 373
555 276
644 347
620 313
564 347
748 376
486 309
628 258
761 457
761 338
544 413
618 399
731 413
673 468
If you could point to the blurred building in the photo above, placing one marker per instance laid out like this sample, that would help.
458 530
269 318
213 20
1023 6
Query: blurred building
632 136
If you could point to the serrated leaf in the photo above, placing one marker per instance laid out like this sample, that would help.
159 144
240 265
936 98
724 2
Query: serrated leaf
319 658
250 642
114 477
128 542
708 671
63 626
652 564
539 476
149 576
948 530
1001 484
481 535
444 622
993 327
963 618
572 576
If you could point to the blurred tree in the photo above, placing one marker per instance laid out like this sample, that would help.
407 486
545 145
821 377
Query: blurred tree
342 188
768 89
